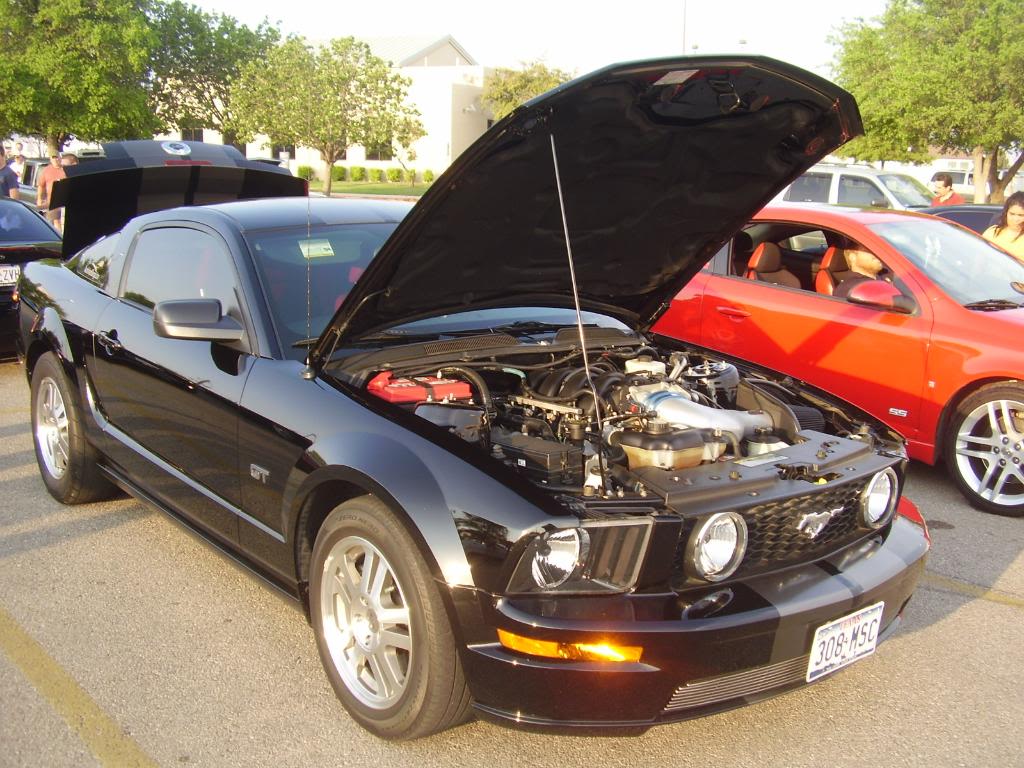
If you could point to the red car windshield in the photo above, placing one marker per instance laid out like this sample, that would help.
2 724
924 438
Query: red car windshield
968 268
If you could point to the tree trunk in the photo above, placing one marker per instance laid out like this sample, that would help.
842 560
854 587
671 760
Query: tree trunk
995 194
999 187
980 174
55 143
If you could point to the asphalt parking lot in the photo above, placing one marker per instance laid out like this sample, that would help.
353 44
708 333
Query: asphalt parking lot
125 641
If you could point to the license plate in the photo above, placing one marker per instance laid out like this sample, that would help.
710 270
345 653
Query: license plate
844 640
9 274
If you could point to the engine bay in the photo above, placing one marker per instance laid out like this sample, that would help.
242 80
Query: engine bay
623 419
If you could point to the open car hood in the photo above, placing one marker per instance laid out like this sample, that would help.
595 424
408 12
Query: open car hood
136 177
660 163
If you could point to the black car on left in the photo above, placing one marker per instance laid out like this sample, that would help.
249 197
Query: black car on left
24 236
447 430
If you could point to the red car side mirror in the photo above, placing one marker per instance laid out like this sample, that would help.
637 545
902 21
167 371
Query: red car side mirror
879 293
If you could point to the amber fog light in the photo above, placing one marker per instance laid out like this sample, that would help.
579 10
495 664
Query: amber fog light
600 651
878 500
717 546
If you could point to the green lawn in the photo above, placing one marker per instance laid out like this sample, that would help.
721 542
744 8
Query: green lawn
367 188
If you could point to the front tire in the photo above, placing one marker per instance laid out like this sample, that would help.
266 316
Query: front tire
381 626
984 449
67 462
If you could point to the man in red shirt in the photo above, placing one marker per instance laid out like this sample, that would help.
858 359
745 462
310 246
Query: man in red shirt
44 187
944 194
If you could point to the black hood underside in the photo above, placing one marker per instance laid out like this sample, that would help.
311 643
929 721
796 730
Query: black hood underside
660 163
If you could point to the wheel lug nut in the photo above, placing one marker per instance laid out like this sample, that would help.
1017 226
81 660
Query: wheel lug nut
1002 462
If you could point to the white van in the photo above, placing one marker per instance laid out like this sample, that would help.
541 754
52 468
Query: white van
859 185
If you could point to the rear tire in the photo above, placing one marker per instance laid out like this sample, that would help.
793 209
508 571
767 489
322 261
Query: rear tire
984 449
381 626
67 462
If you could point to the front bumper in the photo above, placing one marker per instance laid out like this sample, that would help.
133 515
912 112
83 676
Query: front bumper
753 641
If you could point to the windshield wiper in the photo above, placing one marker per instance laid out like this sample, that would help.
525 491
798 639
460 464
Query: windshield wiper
527 327
993 305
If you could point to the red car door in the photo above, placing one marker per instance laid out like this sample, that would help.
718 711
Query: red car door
873 358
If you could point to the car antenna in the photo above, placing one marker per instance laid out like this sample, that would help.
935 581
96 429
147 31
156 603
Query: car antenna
579 312
308 372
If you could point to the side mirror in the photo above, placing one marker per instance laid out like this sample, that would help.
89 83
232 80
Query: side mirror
880 294
196 320
880 203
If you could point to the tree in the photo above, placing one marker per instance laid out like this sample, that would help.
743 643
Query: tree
327 98
75 67
506 89
934 73
196 59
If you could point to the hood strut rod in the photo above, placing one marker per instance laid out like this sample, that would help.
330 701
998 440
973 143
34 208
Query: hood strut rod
579 314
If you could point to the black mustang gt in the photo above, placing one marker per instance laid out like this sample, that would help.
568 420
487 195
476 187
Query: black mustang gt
446 430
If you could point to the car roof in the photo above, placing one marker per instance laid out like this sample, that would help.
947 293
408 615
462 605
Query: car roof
831 213
287 212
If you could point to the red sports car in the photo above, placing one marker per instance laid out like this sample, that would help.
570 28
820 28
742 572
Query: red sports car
932 345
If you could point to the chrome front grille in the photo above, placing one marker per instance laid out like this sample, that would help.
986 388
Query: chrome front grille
712 690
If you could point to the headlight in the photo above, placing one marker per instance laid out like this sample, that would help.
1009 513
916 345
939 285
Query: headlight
717 546
597 557
878 500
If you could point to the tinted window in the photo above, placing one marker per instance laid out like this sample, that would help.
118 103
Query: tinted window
854 190
178 263
320 265
94 262
20 225
809 188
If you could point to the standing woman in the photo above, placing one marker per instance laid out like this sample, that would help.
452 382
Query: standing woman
1008 232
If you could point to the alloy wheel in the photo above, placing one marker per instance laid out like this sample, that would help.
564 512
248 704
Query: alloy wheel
366 622
989 451
51 424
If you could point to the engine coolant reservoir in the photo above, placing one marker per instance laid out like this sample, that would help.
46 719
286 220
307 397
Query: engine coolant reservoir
644 364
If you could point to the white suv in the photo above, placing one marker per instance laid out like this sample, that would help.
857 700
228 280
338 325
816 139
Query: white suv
858 185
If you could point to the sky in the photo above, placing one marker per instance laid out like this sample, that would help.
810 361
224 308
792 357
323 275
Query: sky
575 35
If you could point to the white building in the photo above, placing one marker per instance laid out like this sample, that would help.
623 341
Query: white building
445 88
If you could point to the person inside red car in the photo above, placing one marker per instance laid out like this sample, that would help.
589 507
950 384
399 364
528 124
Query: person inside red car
864 265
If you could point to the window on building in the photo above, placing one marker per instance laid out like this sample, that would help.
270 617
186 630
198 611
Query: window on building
380 152
277 149
191 134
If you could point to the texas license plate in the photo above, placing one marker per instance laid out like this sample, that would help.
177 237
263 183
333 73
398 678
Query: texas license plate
9 274
844 640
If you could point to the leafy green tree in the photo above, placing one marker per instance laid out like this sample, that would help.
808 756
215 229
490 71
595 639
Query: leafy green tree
327 98
198 55
935 73
75 68
506 89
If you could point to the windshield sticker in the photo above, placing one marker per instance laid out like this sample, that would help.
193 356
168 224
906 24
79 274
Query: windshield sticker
316 249
676 77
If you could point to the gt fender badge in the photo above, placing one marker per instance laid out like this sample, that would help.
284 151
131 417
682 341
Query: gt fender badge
259 473
814 523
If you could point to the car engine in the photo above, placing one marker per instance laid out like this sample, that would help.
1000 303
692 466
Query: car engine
625 420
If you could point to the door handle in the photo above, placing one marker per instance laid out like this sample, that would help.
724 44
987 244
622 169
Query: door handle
108 340
739 314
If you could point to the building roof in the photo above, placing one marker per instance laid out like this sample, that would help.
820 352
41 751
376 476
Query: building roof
407 51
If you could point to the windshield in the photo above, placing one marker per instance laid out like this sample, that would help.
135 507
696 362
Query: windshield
908 190
968 268
20 225
327 259
507 319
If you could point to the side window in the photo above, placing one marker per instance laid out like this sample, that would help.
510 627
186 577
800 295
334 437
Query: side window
809 188
178 263
854 190
94 262
811 242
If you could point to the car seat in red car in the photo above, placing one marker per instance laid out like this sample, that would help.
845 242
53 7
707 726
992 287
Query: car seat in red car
766 265
834 269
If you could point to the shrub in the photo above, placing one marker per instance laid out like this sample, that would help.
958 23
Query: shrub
305 172
410 176
338 172
357 173
428 176
376 175
394 174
